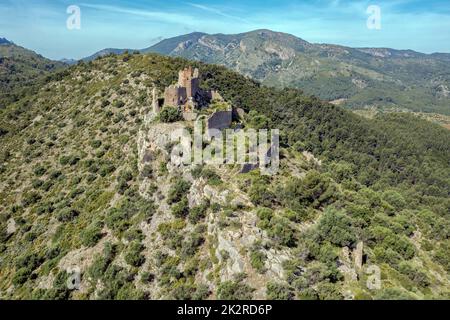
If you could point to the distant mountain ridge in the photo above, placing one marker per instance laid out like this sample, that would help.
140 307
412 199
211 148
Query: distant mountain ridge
357 77
105 52
4 41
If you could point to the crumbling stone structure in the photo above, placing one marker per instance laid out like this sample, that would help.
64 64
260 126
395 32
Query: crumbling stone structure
189 79
175 96
185 93
155 101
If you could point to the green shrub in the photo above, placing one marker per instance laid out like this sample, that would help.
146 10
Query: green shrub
328 291
31 198
106 169
414 274
118 104
69 160
282 232
278 291
442 255
91 235
234 290
179 189
170 114
133 255
190 246
147 171
40 171
211 177
315 190
147 277
260 195
102 262
336 227
257 121
96 144
21 276
67 214
278 228
181 209
196 214
393 294
37 183
117 220
201 293
257 260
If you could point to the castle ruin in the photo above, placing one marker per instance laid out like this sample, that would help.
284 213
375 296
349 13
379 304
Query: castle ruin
185 93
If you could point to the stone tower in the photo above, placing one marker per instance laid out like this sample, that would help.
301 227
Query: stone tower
175 95
189 79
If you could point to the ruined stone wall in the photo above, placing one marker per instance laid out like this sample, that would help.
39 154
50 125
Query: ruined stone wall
175 96
155 101
192 87
189 80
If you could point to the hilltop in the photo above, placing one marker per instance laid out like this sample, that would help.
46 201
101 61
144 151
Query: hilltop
86 182
20 69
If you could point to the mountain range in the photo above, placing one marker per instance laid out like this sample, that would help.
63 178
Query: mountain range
357 78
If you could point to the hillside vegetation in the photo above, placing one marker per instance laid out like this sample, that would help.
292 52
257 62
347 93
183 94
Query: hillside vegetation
20 69
86 182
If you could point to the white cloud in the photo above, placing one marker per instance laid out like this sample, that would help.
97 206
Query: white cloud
216 11
155 15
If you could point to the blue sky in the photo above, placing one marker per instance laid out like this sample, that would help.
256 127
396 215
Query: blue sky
422 25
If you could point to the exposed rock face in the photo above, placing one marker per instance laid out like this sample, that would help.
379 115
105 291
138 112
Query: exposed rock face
215 196
361 84
196 194
283 53
11 226
239 113
274 263
211 44
235 264
443 91
183 46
